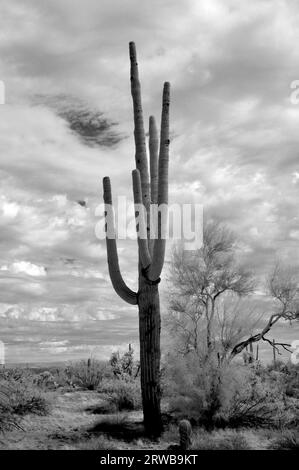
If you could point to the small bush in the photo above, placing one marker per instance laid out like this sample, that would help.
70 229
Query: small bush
7 417
289 440
7 420
232 440
86 374
229 395
124 366
123 394
199 391
21 399
97 443
18 399
45 380
17 374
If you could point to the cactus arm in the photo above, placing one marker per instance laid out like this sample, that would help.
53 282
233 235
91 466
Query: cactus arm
153 151
153 148
145 257
139 134
160 242
112 257
164 147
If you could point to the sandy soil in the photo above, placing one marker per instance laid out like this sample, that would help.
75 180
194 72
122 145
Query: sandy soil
74 424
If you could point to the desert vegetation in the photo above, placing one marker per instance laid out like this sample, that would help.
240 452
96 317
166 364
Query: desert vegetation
230 405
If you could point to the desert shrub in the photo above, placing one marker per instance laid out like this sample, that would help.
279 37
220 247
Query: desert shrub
7 417
63 377
291 380
122 394
7 420
124 366
261 401
228 395
220 440
288 440
198 390
278 365
17 374
87 374
45 380
18 399
21 399
97 443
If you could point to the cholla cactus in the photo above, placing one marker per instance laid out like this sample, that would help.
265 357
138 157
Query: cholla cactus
150 186
185 431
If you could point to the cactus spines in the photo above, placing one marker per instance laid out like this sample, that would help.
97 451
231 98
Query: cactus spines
185 431
143 246
148 188
139 134
153 149
160 242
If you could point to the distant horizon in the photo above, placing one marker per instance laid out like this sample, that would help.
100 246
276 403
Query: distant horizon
282 332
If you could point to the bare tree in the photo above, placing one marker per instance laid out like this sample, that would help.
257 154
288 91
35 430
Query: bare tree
199 279
236 318
283 287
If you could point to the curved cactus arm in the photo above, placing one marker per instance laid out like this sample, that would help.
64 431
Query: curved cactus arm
139 134
153 149
140 215
118 283
160 241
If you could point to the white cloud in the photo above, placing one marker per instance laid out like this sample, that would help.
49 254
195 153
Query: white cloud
25 267
10 209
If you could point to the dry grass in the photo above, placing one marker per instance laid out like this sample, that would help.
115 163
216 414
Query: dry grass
287 440
81 419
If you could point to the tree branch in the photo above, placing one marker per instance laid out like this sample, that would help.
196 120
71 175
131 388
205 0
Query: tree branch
274 345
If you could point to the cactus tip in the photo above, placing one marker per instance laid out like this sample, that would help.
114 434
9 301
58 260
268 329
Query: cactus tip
132 48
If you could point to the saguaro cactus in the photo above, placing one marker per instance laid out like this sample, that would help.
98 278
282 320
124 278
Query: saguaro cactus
150 187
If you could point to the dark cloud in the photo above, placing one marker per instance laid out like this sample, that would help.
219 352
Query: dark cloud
90 125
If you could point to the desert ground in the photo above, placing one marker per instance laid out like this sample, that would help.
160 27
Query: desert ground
63 410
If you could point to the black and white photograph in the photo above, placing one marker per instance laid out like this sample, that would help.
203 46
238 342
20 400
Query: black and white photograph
149 228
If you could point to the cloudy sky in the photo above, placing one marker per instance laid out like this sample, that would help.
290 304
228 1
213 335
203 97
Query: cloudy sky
67 122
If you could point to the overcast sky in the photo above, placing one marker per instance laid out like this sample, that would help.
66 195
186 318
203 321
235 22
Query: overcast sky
67 122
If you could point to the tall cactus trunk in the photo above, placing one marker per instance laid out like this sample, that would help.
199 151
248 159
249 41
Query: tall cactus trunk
149 333
149 188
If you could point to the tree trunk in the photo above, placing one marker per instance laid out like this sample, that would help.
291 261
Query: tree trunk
150 354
